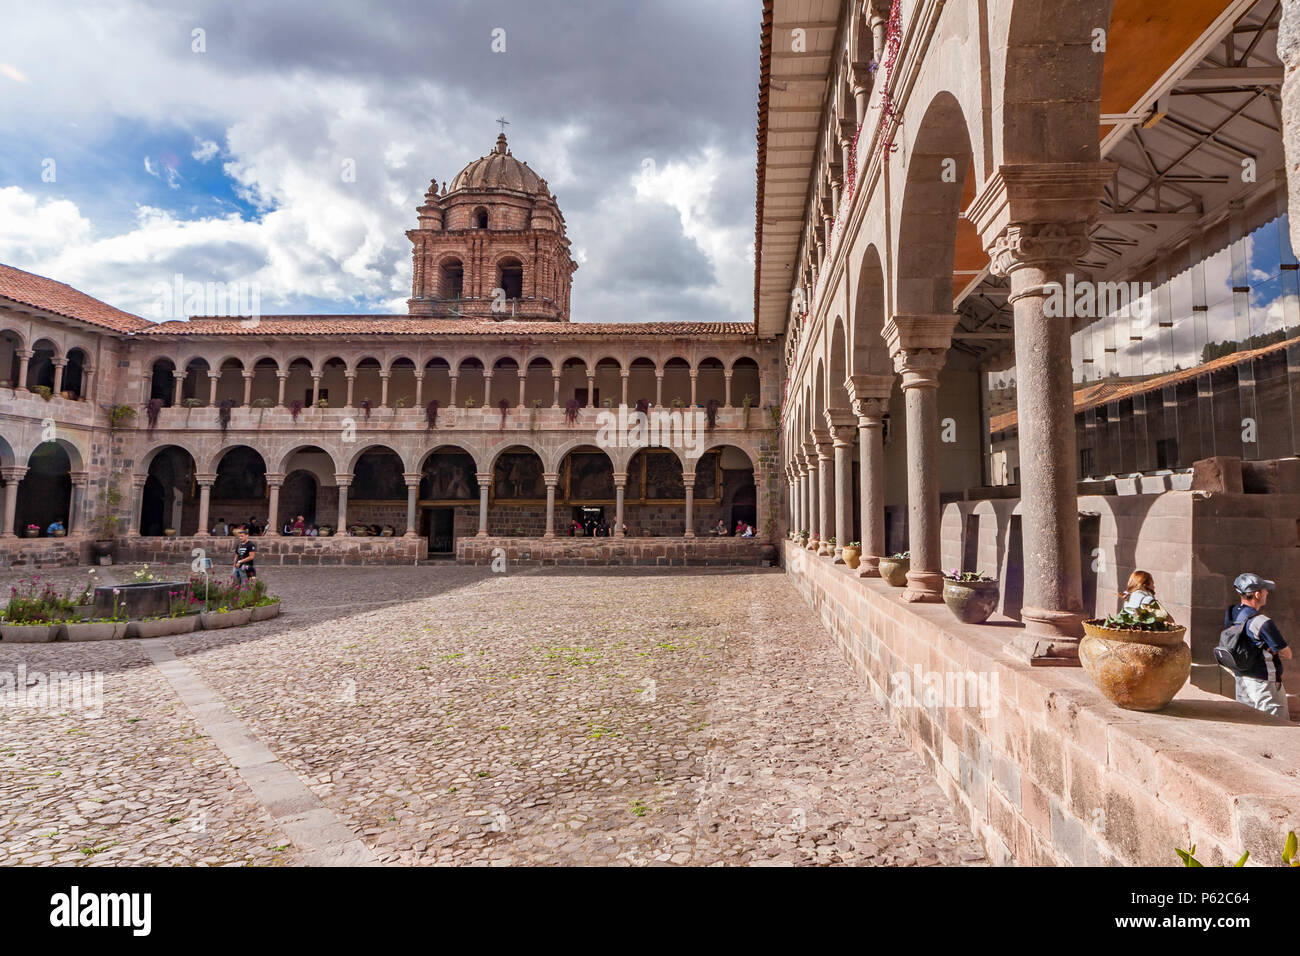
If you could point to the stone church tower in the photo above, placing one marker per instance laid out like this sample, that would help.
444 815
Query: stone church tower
492 246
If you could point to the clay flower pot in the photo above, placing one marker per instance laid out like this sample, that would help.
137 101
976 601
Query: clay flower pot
852 556
1136 670
971 602
894 571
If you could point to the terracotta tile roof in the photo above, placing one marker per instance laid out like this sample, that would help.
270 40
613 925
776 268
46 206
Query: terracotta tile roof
407 325
50 296
764 78
1102 393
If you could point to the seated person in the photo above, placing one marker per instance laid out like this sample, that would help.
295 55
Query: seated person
54 528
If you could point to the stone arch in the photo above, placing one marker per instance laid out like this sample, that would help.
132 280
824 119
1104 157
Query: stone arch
170 496
7 456
837 396
931 207
539 384
285 459
869 355
488 459
240 484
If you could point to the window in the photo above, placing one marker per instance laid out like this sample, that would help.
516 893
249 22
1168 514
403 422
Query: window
451 278
510 278
480 218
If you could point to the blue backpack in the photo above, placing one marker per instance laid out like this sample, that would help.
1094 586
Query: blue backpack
1239 650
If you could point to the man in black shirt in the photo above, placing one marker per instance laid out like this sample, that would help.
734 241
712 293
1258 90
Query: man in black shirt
245 555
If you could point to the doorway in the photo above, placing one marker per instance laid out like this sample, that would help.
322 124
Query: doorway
442 539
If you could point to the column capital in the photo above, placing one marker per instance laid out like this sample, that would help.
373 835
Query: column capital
247 374
483 477
214 375
348 373
24 353
551 478
138 481
862 387
620 479
79 478
822 444
343 481
59 362
205 479
274 479
838 417
412 478
15 472
385 373
282 374
1039 193
919 345
871 412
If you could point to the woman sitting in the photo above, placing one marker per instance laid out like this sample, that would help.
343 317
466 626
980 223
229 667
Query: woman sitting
1140 590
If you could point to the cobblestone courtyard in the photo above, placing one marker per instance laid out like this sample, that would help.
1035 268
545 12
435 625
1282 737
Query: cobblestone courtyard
451 715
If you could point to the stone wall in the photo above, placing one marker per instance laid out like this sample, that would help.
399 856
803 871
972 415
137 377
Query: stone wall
42 552
654 552
1043 768
272 550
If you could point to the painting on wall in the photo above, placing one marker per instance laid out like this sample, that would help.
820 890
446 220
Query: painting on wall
706 476
449 477
663 477
591 477
518 475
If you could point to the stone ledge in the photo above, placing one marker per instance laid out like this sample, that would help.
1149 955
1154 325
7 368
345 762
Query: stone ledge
1051 773
273 550
645 552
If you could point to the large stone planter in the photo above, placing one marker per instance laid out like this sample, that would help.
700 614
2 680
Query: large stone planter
145 599
28 633
213 620
894 571
93 630
852 557
1136 670
163 626
971 602
264 612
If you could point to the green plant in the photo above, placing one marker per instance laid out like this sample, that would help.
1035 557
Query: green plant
1148 617
120 416
470 403
966 577
263 403
44 391
855 544
902 555
191 403
104 525
322 403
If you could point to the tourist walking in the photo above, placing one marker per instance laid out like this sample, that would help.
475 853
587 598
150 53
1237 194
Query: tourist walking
245 558
1253 648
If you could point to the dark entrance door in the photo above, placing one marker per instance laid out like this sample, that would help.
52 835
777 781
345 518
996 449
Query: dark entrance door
441 538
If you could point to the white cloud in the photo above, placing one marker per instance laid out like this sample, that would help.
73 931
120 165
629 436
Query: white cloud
204 150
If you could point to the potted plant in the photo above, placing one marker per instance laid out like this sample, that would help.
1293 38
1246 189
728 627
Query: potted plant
60 532
894 568
1137 658
322 403
182 616
32 616
801 539
191 402
970 595
169 532
32 531
96 629
44 391
853 554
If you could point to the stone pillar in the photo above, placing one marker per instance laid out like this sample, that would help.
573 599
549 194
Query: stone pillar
412 497
451 399
344 482
919 345
315 389
659 386
825 491
695 375
688 478
487 389
800 493
87 382
1034 222
213 378
13 476
623 374
274 481
383 388
551 479
77 502
137 505
726 378
59 365
484 484
814 488
248 389
284 378
419 389
870 395
205 482
555 402
352 380
178 386
24 359
523 384
842 435
764 524
620 488
591 390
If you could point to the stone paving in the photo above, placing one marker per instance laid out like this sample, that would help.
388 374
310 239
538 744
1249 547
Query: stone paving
449 715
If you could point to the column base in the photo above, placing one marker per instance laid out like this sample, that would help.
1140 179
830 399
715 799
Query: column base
824 548
410 534
618 534
481 534
839 556
689 534
869 567
923 587
1050 639
549 534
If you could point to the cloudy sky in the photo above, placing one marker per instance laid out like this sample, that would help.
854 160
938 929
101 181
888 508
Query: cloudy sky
133 149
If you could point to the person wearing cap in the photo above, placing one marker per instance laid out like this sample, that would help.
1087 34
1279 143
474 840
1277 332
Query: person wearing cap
1260 687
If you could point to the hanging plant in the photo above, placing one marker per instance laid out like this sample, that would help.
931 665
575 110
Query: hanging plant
223 413
711 413
431 413
365 407
504 405
571 411
152 409
295 409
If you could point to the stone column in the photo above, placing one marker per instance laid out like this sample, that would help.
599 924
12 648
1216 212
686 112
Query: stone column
213 378
919 345
825 490
344 482
659 386
688 478
842 435
419 389
315 389
624 375
77 502
383 388
870 395
24 359
59 365
137 505
178 386
620 488
451 399
799 493
591 390
487 389
87 382
726 378
412 497
484 484
695 375
814 489
205 482
13 476
248 389
1034 222
274 481
352 380
523 384
762 504
284 378
555 402
551 479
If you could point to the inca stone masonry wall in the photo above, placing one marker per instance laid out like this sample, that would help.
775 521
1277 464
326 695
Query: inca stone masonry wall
656 552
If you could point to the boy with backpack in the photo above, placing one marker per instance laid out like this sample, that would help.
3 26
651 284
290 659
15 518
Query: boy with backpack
1252 647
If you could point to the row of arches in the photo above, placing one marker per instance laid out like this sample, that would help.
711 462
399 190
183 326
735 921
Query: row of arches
400 383
44 365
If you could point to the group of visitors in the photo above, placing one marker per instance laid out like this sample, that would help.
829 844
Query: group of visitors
223 528
742 530
1251 645
299 527
592 527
